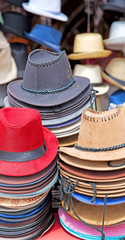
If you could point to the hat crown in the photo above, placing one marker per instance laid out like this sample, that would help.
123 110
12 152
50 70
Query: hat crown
93 72
102 129
47 5
88 42
119 2
47 71
21 130
116 68
117 30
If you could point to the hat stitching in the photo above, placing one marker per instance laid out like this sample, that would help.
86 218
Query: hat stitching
48 91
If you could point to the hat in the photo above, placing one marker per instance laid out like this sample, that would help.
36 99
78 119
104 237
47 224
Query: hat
114 72
8 69
93 72
107 139
68 141
17 3
48 80
46 8
114 5
88 45
117 98
83 231
20 55
15 23
3 93
116 40
25 146
45 35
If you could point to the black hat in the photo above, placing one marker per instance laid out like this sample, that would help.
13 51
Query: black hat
17 3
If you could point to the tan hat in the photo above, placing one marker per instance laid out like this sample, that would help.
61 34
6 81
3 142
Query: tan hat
101 136
92 214
88 45
8 69
93 72
68 141
114 72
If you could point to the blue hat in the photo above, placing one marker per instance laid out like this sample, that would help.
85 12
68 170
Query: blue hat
45 35
117 98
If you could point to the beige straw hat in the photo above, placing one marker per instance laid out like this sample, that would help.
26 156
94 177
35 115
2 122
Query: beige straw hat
88 45
114 72
93 72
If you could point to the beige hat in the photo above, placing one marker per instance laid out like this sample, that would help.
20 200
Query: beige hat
93 72
93 214
8 69
88 45
101 136
68 141
115 72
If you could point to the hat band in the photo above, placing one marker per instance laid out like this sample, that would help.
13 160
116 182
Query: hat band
97 84
117 80
23 156
99 149
48 91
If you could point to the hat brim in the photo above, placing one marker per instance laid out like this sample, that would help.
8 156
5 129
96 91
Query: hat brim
77 227
31 8
112 7
51 99
86 55
103 89
42 42
31 167
68 141
115 44
12 74
112 81
8 29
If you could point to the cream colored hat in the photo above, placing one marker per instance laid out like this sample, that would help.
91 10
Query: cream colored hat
116 40
115 72
8 69
88 45
93 72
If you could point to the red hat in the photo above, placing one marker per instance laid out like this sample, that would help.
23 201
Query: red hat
26 147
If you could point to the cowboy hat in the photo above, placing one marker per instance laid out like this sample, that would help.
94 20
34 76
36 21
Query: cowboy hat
106 141
93 72
88 45
46 8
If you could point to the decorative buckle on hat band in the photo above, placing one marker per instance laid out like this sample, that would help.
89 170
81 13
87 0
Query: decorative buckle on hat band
49 90
69 190
99 149
23 156
117 80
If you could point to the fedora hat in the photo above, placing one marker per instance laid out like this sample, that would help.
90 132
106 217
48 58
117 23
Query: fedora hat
46 8
106 141
15 23
116 40
92 72
114 5
8 69
88 45
114 72
45 35
48 80
17 3
20 55
83 231
25 145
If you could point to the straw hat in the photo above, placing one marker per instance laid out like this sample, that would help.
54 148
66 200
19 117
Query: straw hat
93 73
101 136
88 45
114 72
8 69
116 40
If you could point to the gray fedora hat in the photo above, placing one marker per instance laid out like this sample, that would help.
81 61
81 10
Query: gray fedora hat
48 80
114 5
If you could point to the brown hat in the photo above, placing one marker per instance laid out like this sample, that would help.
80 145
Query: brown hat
101 136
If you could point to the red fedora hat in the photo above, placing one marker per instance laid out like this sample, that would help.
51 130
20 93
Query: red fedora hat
26 147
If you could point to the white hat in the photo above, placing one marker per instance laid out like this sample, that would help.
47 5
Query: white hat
116 40
47 8
93 72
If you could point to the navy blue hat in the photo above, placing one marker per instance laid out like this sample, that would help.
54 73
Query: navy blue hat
45 35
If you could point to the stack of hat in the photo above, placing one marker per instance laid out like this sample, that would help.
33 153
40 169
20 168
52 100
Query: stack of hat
93 177
8 69
28 170
50 87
